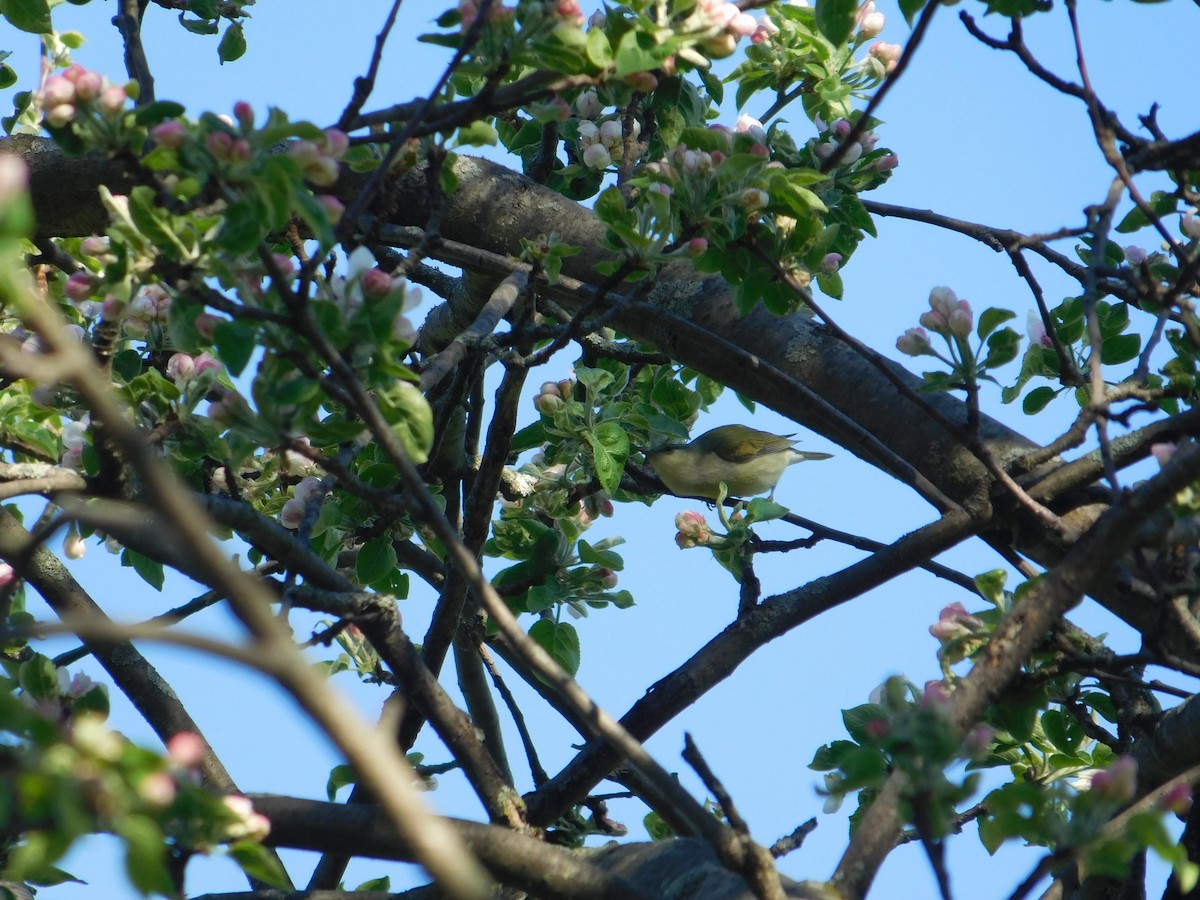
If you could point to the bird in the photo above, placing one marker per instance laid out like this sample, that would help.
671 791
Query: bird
749 461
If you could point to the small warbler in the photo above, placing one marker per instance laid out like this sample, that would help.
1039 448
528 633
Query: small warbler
747 460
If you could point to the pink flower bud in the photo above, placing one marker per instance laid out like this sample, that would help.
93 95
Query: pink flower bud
979 741
747 124
181 369
336 142
7 574
58 91
292 514
206 363
334 209
243 112
240 152
1177 799
962 320
219 144
842 129
697 246
1163 452
95 245
1135 255
73 73
157 789
88 86
60 116
186 749
764 30
80 286
887 162
376 283
887 54
170 134
205 324
936 696
112 100
914 342
1118 782
14 178
830 262
955 622
113 308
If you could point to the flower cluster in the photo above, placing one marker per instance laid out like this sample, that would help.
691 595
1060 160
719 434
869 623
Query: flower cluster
692 530
74 437
78 91
319 160
955 622
189 372
948 316
553 395
148 309
294 510
831 137
725 24
601 140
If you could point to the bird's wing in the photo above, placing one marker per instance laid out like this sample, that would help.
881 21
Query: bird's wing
756 444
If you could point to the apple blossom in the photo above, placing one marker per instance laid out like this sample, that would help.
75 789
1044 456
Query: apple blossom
955 622
914 342
186 749
7 574
1190 225
587 104
869 21
596 156
1135 255
747 124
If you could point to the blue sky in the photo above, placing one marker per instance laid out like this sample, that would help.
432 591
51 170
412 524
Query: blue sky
977 138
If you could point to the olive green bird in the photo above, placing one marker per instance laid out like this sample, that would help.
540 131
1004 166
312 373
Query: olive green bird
748 461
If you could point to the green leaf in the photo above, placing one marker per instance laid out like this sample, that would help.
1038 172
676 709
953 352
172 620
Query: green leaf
835 19
599 50
151 570
830 756
657 827
198 26
38 677
1035 401
235 342
412 420
991 319
1119 349
241 230
610 449
28 15
153 113
376 560
383 883
560 640
260 863
1003 347
145 855
594 557
233 43
477 134
636 52
910 8
856 719
991 586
